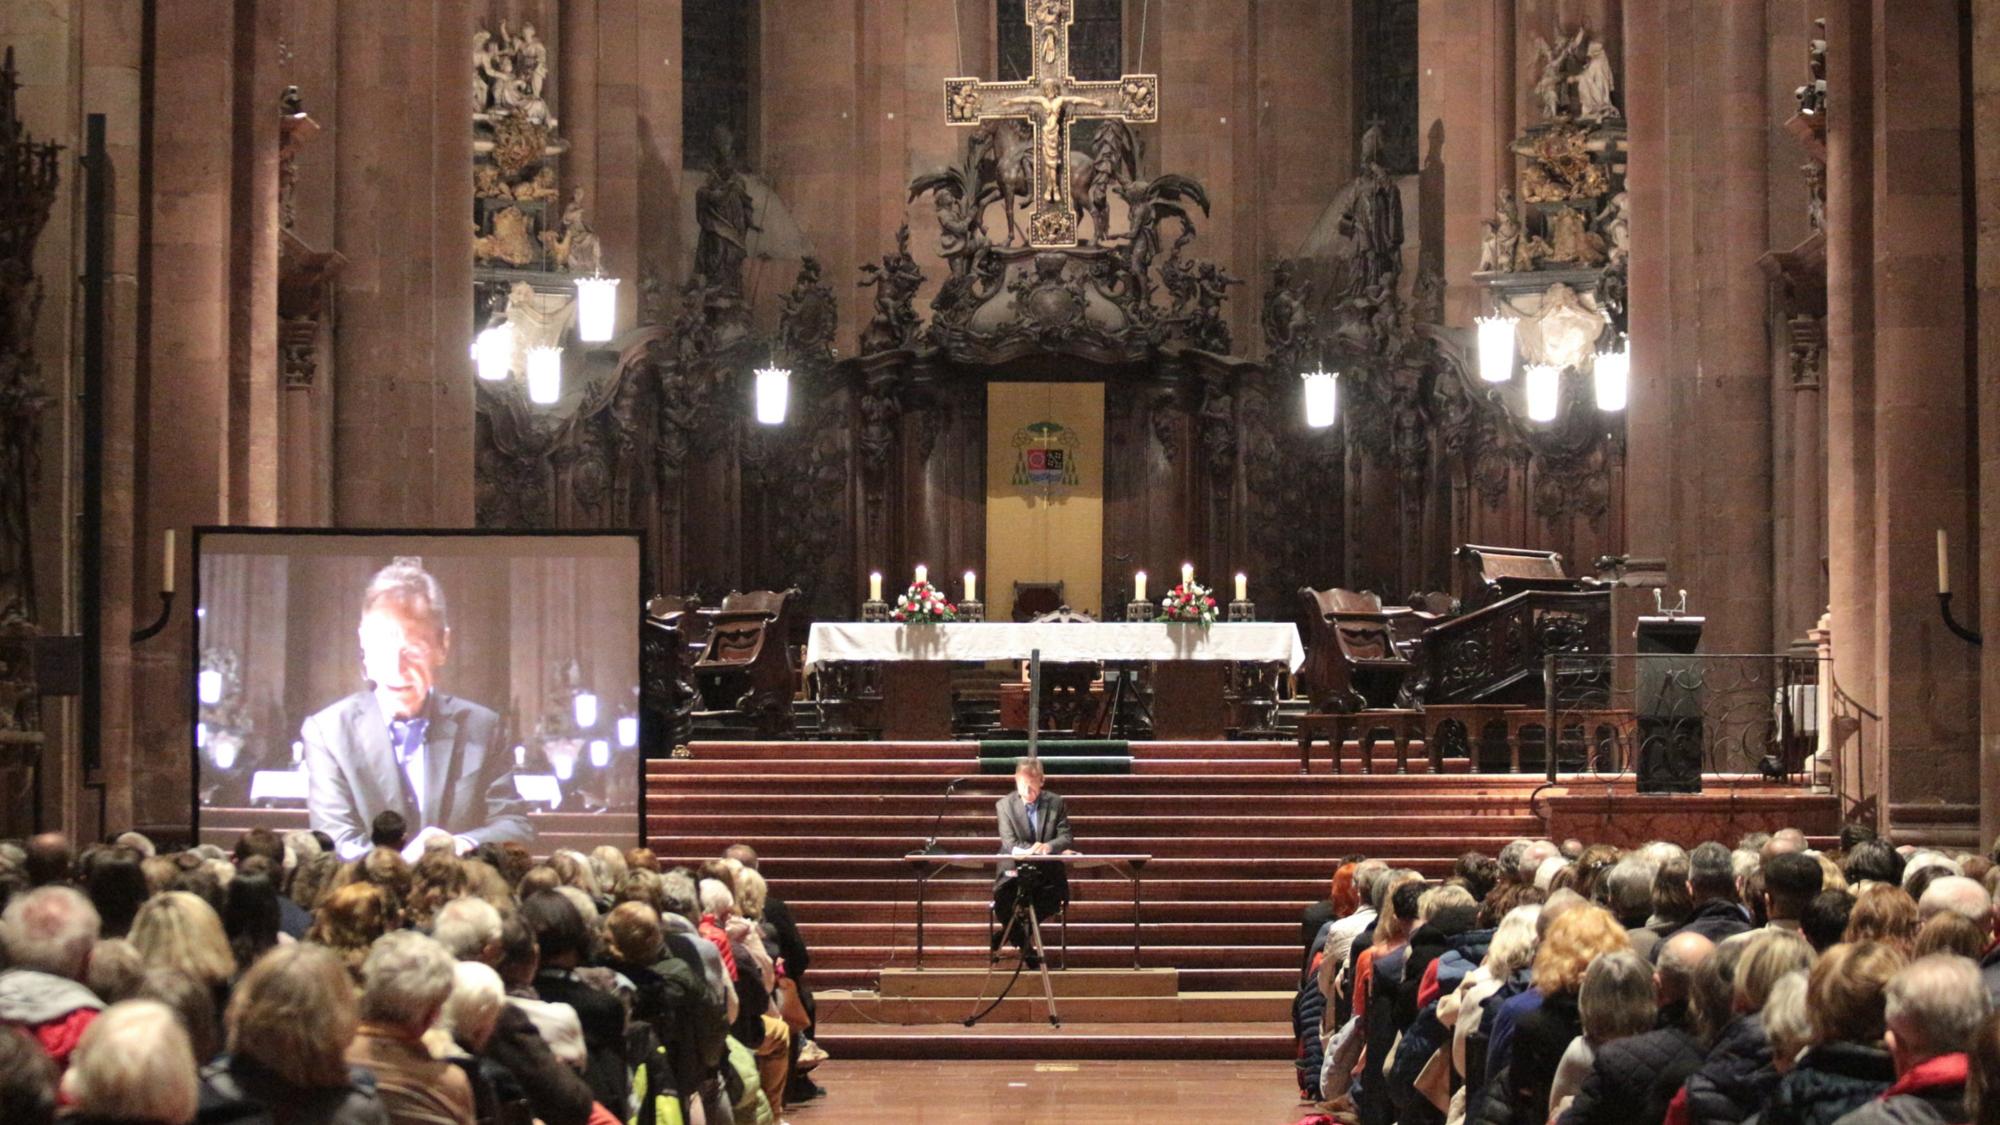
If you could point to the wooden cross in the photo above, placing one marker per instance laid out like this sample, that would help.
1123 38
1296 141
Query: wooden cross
1050 101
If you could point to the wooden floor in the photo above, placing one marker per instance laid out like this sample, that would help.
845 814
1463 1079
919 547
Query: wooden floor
1031 1092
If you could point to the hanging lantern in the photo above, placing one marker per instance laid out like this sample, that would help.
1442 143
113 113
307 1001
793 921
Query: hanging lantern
1496 348
493 351
209 687
596 308
774 394
1544 392
600 753
544 375
1613 372
628 731
1322 399
584 703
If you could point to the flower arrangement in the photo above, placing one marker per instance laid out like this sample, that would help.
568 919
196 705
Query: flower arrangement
923 604
1188 602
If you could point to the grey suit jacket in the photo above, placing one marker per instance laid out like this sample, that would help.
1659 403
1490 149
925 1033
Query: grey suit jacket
1052 815
352 775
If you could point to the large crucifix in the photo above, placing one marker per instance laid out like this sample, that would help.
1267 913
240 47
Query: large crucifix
1051 101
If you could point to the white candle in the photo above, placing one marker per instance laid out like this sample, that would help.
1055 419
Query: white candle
167 564
1944 564
1187 574
923 574
971 587
1139 586
875 586
1242 587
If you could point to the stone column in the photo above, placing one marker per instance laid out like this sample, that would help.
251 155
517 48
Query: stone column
1649 430
1986 156
253 464
1850 376
403 414
1925 675
1467 80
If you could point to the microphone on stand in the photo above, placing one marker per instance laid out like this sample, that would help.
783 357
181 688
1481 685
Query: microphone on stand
931 845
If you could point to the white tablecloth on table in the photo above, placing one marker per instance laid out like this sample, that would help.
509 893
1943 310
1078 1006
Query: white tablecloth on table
976 643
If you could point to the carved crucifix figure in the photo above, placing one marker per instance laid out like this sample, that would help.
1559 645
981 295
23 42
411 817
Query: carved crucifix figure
1050 101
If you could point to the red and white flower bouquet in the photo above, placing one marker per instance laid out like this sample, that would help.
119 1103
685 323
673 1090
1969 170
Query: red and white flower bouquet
923 604
1189 602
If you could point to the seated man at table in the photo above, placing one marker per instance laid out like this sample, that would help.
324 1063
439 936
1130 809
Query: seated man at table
1032 822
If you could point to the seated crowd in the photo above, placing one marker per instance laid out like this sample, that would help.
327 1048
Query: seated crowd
278 984
1573 985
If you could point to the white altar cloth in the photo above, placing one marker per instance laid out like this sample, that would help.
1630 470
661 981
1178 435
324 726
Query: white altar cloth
1262 642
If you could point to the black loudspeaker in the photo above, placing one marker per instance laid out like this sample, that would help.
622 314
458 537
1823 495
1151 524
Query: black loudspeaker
1667 695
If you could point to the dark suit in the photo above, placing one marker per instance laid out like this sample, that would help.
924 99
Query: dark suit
352 774
1051 888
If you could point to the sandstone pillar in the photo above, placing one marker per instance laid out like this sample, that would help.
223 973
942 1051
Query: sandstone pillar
1923 673
403 416
1850 383
1986 154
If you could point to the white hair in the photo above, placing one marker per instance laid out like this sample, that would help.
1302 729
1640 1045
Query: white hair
466 927
1545 872
1745 862
586 907
1935 1005
405 979
51 930
1661 852
1959 895
1785 1018
716 899
1513 944
473 1007
138 842
134 1063
1534 855
300 846
1921 860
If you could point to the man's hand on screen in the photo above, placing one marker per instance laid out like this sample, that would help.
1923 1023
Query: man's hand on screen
1041 849
414 850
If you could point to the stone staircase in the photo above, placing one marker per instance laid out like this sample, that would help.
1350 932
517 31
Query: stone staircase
1242 842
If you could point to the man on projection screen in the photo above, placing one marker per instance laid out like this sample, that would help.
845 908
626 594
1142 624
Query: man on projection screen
400 743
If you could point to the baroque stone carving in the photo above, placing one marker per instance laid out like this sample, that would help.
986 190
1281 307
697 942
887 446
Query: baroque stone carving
27 191
724 212
895 281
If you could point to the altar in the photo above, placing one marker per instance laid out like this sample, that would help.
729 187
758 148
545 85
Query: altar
1188 664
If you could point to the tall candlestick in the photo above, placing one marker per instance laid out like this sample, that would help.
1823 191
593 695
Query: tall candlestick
1242 587
1187 574
167 563
1139 586
971 587
875 586
923 574
1944 564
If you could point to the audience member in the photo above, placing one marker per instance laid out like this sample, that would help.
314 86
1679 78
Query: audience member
1791 879
289 1025
1712 892
117 887
406 978
1846 1064
1933 1009
1883 914
1825 919
133 1064
27 1080
47 935
388 830
48 859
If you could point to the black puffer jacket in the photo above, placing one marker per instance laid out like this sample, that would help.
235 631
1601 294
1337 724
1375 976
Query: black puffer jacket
1633 1079
1829 1082
1307 1008
1540 1039
1738 1077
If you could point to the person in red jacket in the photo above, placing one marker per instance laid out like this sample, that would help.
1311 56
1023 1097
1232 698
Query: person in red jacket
49 933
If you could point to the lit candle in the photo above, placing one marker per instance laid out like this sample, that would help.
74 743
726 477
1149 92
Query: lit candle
1242 587
875 586
923 574
1944 565
167 564
1187 574
1139 586
971 587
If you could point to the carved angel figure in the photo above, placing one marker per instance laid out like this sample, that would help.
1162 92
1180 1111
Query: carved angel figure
1594 86
1500 248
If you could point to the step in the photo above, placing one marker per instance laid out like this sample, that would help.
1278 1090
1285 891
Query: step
782 870
1160 846
971 955
1417 789
1107 933
1106 908
933 983
1197 978
804 895
1024 1004
1028 1042
981 824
